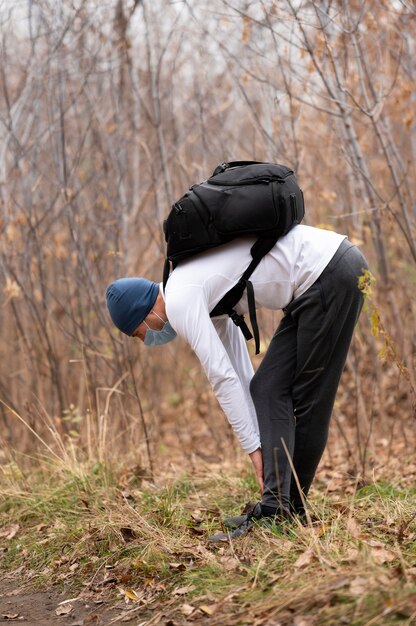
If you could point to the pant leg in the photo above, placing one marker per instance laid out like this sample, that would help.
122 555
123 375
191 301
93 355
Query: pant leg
271 390
325 316
294 388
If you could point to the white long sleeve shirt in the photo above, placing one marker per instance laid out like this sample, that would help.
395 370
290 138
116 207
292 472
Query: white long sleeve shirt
196 286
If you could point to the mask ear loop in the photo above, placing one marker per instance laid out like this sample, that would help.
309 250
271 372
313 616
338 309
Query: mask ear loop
161 319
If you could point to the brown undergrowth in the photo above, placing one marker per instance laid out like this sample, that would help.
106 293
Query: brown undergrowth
112 534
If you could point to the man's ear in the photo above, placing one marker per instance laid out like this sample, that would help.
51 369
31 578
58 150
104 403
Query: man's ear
160 304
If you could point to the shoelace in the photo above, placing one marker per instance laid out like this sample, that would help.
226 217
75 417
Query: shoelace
250 516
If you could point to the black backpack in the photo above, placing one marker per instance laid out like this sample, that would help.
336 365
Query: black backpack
241 198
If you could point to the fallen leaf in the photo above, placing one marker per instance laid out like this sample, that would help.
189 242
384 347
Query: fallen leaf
382 555
129 593
178 566
305 559
208 610
10 531
125 578
59 525
181 591
64 609
187 609
127 533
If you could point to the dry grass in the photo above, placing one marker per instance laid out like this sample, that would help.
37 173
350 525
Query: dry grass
110 532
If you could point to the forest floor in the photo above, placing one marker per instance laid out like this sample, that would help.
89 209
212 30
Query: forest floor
86 545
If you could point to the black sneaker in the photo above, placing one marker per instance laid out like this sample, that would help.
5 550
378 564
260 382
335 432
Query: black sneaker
251 519
234 521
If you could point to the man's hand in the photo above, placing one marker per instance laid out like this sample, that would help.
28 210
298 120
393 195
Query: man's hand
257 460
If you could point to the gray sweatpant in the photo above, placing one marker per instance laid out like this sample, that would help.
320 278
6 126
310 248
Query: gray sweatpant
294 388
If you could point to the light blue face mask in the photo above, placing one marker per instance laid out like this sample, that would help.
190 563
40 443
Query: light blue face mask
159 337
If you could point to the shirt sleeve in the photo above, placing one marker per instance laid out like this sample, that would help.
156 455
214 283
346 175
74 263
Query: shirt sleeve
222 355
236 346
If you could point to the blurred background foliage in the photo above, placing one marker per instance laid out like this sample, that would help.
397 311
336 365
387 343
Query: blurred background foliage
109 111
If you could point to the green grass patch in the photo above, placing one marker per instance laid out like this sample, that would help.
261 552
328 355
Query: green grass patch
103 529
384 490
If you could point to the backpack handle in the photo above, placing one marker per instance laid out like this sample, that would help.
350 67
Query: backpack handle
225 166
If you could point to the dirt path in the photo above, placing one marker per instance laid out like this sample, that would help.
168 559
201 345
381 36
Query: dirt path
21 604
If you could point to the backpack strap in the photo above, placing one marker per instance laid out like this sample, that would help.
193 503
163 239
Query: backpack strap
166 272
227 303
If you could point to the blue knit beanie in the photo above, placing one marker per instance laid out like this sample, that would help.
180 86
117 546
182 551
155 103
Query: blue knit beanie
130 301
